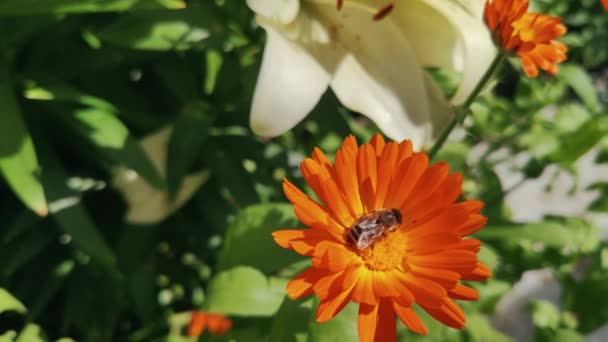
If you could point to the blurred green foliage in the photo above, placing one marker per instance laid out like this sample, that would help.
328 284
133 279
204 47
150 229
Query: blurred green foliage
82 81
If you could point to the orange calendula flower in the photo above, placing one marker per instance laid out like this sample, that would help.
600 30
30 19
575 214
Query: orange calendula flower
216 324
531 36
387 235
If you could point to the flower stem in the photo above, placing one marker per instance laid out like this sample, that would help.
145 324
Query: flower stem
461 112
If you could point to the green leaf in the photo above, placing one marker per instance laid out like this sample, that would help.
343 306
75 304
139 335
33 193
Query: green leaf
8 336
29 7
214 62
70 214
601 203
343 327
245 291
249 238
290 324
31 333
570 234
163 30
187 138
574 145
480 330
545 314
567 335
582 84
104 130
10 303
54 90
18 161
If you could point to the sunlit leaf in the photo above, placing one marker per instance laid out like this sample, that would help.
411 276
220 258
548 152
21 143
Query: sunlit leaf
112 138
155 30
10 303
249 238
70 214
578 79
18 160
31 333
29 7
343 327
245 291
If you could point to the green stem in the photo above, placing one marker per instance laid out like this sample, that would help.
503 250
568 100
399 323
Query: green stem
462 111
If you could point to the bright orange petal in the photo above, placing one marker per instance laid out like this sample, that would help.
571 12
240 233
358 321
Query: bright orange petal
406 177
331 306
367 174
377 143
302 284
363 292
449 314
463 292
481 272
303 241
425 291
386 169
408 316
376 323
346 174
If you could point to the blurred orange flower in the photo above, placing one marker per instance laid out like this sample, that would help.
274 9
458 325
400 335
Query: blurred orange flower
216 324
388 236
528 35
605 4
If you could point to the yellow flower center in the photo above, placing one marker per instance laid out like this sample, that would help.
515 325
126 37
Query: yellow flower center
386 253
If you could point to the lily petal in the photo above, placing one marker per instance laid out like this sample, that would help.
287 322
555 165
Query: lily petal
474 51
377 74
289 85
283 11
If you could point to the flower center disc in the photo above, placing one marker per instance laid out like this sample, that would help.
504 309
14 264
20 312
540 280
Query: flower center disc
387 253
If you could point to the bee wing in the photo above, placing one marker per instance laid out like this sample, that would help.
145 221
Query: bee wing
368 237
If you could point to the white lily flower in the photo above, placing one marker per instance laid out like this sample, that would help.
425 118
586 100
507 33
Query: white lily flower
375 67
147 204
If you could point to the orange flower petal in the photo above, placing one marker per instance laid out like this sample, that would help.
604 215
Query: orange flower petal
406 177
449 259
326 188
346 174
385 286
463 292
376 323
425 291
431 179
363 290
331 306
443 196
367 174
388 160
445 278
377 143
449 314
333 256
303 241
330 284
218 324
473 223
198 324
479 273
408 316
406 149
302 284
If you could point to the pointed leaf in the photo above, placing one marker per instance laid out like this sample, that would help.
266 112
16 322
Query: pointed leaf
18 161
10 303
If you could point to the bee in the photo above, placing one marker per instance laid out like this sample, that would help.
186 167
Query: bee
370 227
